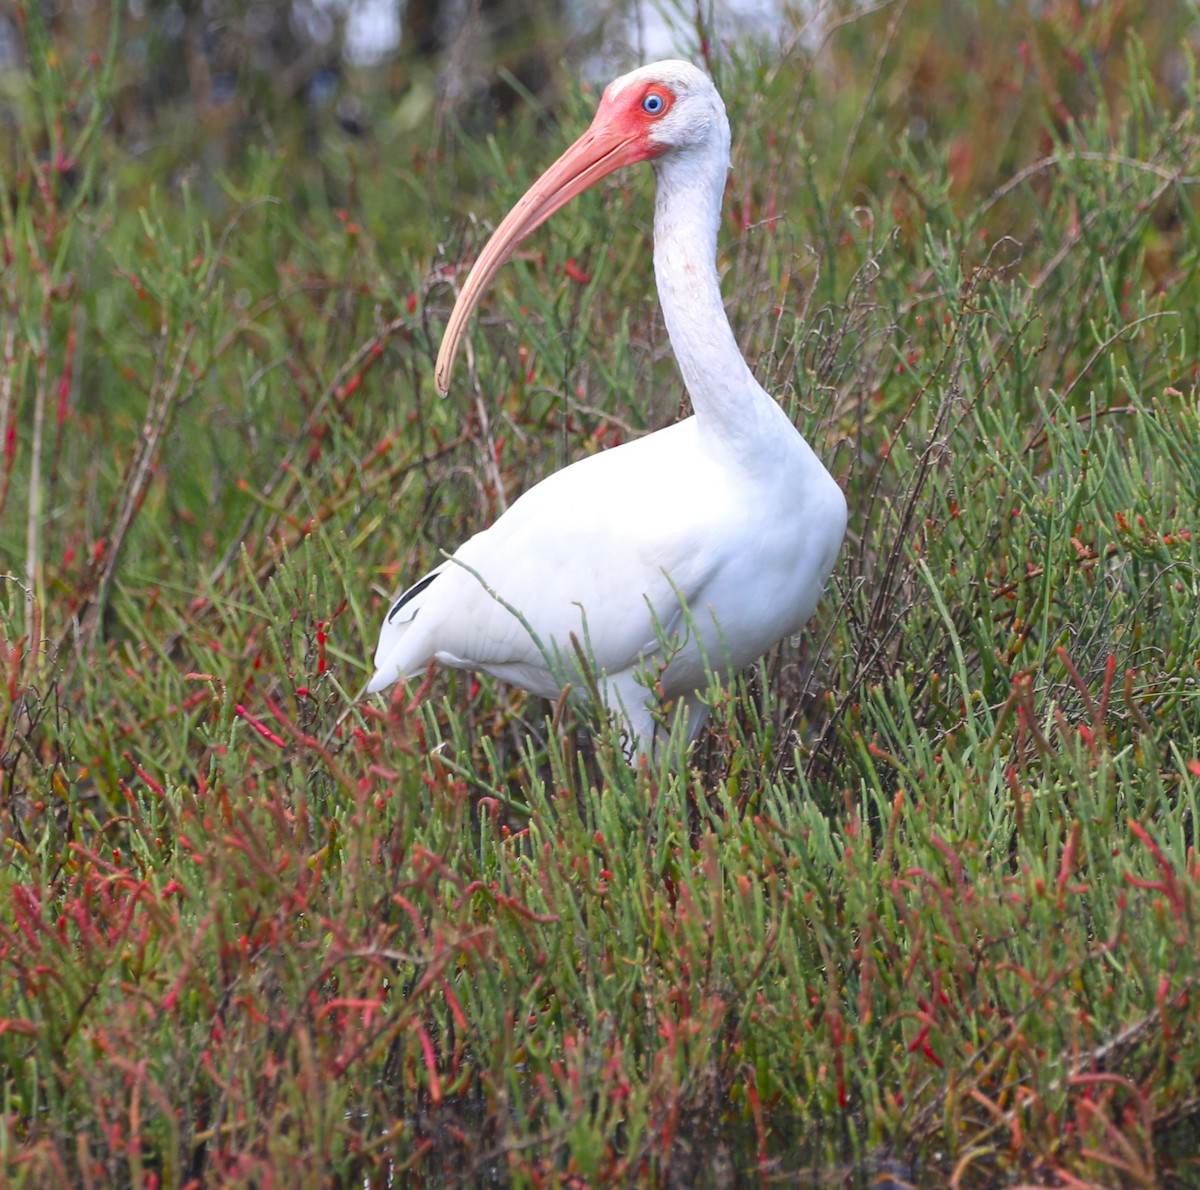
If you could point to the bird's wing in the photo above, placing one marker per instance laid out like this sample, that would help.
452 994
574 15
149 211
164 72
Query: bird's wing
600 551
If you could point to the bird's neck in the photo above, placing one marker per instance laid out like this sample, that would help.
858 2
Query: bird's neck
731 406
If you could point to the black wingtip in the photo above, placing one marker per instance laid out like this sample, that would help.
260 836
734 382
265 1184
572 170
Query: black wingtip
412 593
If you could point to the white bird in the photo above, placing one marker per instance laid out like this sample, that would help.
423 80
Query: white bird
688 552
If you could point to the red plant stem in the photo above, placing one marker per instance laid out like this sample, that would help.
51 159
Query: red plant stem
262 729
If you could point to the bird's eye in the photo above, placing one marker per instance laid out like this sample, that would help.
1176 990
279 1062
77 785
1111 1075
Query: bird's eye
653 103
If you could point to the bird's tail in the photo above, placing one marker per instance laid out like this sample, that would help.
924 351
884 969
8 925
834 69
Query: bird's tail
400 652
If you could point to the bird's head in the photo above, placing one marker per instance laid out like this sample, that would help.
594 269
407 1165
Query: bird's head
662 107
667 112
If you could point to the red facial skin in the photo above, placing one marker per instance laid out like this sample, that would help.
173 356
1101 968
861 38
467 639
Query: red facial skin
619 135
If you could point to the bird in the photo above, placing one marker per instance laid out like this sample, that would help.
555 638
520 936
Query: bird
640 572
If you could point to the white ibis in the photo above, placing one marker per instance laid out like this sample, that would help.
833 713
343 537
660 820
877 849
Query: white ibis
688 552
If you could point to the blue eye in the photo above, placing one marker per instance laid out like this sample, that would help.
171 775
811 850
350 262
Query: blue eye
653 103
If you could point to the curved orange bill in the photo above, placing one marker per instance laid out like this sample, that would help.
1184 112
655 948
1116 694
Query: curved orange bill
606 146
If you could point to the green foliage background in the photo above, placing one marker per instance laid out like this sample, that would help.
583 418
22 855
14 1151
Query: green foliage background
924 902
